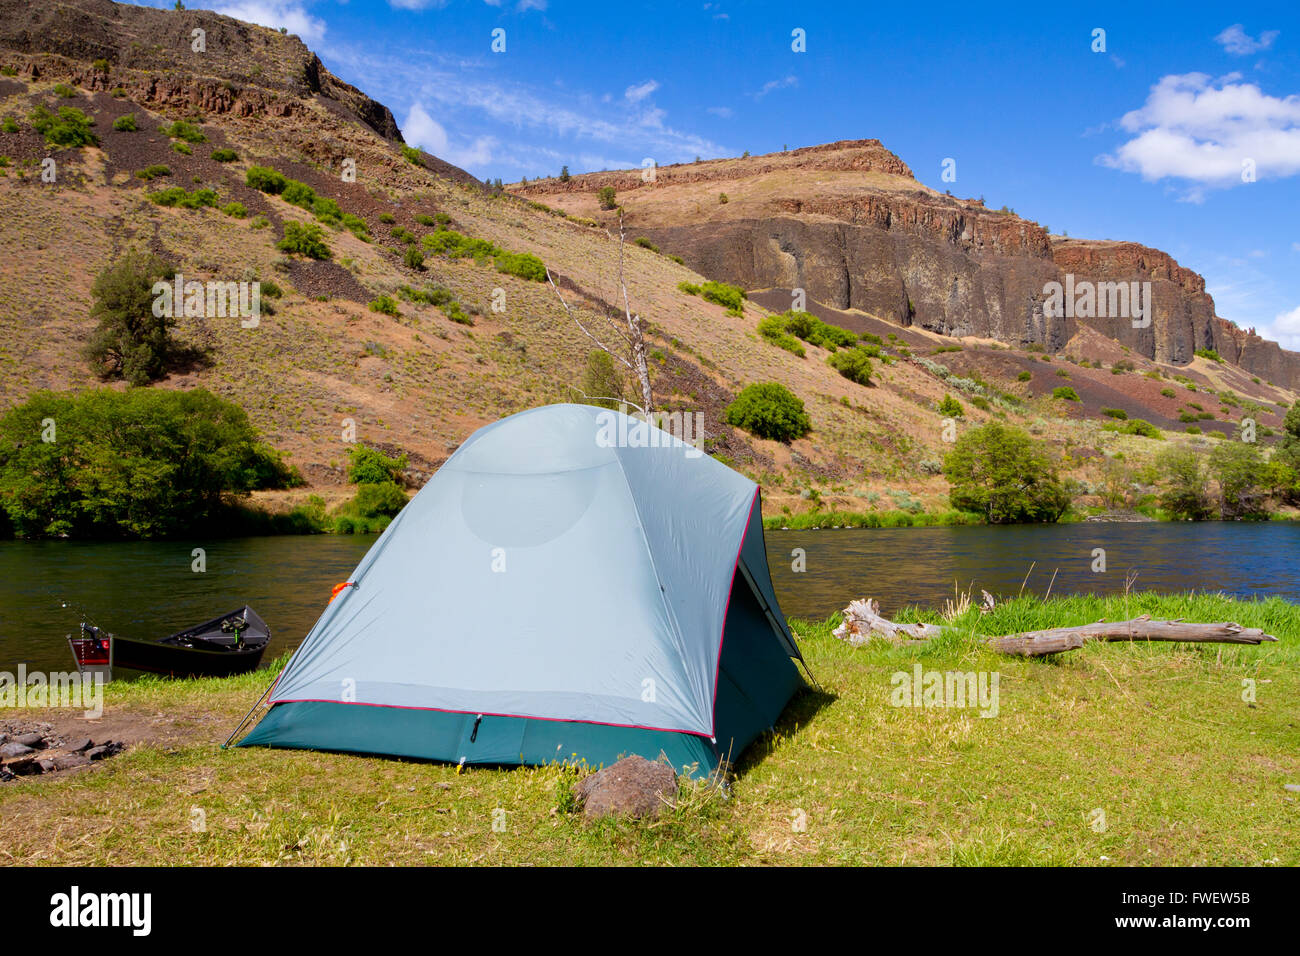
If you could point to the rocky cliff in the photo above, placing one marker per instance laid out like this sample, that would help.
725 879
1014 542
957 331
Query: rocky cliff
849 223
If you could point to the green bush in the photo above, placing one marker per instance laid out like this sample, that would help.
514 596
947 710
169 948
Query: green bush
413 258
723 294
386 217
183 148
9 125
425 220
139 463
645 243
369 466
602 385
1183 493
235 209
690 288
1115 413
412 155
1168 392
70 127
1025 376
386 305
769 410
814 331
450 243
773 330
64 91
1140 426
265 179
853 363
606 198
1004 474
356 225
951 408
125 123
305 239
184 131
522 264
1210 354
177 197
225 155
1065 392
153 172
298 194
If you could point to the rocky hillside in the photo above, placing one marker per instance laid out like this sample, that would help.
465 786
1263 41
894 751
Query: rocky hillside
849 223
464 340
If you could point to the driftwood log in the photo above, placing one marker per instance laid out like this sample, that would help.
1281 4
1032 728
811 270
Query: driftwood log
863 621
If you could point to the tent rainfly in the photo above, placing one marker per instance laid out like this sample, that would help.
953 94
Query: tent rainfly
573 584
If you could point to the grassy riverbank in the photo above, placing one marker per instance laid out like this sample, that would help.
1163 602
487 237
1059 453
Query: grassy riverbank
1156 737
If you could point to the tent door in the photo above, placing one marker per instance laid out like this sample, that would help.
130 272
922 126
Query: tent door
486 738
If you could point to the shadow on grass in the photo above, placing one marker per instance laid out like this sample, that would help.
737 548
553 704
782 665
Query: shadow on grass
803 707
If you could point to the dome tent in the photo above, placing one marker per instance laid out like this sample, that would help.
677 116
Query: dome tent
572 584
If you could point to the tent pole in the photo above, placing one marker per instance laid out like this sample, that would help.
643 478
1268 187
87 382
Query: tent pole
240 726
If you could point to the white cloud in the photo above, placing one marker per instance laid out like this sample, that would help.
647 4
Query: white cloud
1240 43
418 4
1284 329
723 111
780 84
635 94
421 129
526 5
1204 131
290 14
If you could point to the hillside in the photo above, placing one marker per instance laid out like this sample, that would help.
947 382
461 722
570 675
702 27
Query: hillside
847 221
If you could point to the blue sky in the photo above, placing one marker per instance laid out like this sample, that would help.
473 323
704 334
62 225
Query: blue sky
1143 140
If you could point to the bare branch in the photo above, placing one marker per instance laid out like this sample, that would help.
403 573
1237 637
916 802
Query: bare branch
603 347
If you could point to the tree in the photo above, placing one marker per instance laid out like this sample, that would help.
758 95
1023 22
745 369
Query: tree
564 174
1000 472
854 364
601 383
1288 450
1237 466
139 463
1182 480
951 408
769 410
628 329
130 342
605 196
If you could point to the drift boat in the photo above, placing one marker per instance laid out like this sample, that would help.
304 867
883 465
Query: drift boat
230 644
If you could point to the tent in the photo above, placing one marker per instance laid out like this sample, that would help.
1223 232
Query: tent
572 584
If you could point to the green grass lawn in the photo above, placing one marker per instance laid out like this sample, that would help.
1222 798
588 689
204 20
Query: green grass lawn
1114 754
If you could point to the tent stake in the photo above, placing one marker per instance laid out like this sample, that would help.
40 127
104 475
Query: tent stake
240 726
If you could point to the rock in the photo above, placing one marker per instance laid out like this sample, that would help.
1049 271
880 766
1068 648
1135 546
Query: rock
35 741
633 787
1293 787
5 775
47 765
13 750
69 761
80 745
108 748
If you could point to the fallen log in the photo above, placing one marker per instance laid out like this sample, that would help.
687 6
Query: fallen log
863 622
1057 639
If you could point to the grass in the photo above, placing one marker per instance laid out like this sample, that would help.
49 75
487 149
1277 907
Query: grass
1156 736
897 518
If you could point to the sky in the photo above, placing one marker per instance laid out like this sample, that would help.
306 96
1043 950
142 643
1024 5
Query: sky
1176 125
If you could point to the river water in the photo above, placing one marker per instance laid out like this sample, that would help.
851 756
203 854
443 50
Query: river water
148 589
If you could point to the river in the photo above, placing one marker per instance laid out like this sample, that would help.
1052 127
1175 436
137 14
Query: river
148 589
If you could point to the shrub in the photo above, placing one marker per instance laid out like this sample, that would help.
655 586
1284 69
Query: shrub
451 243
1005 475
177 197
951 408
386 217
370 466
236 210
1183 485
602 385
645 243
70 127
130 342
182 148
814 331
412 155
386 305
125 123
425 220
184 131
1025 376
305 239
265 179
413 258
64 91
1140 426
723 294
606 198
225 155
690 288
356 225
769 410
853 363
1210 354
1168 392
1065 392
1115 413
773 330
1193 429
522 264
298 194
722 199
9 125
152 172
